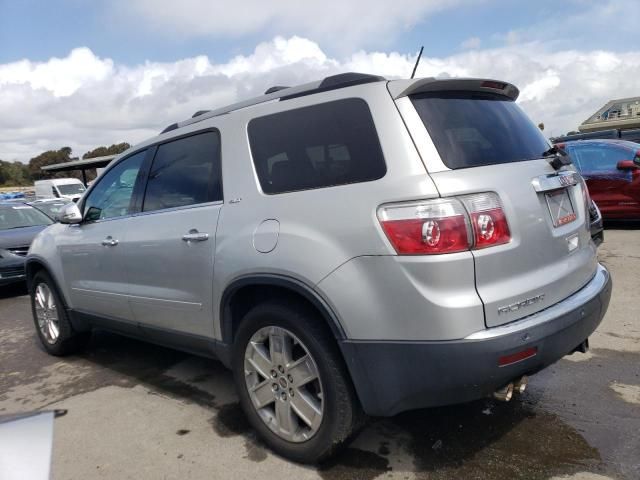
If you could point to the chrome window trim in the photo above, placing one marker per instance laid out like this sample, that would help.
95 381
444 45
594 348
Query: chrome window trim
182 207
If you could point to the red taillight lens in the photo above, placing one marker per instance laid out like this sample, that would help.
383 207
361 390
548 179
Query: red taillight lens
488 220
493 84
444 226
430 227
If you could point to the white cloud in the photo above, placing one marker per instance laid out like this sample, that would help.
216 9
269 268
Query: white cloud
612 23
84 101
471 43
332 22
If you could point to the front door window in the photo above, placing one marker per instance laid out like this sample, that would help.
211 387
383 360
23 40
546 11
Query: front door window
112 196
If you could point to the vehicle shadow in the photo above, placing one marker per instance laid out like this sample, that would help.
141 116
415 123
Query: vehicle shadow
622 224
13 290
483 439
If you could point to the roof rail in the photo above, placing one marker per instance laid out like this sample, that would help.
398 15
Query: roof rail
173 126
332 82
347 79
341 80
199 112
277 88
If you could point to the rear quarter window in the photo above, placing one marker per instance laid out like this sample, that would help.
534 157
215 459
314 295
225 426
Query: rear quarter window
471 129
324 145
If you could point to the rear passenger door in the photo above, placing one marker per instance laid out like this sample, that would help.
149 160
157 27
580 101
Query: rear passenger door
170 248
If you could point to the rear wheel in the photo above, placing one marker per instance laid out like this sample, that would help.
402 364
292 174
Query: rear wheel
292 383
51 319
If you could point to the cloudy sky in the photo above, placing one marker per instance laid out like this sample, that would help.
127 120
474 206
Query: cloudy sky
84 73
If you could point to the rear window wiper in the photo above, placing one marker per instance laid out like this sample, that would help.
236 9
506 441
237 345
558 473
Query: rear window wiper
560 157
553 151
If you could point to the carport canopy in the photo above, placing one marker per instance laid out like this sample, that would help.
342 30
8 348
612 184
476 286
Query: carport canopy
82 165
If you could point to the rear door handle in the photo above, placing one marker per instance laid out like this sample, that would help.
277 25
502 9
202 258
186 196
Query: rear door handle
195 236
109 241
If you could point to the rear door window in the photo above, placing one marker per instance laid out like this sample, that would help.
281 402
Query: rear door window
471 129
328 144
186 171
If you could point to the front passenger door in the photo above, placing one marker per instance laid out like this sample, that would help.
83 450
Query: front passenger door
92 260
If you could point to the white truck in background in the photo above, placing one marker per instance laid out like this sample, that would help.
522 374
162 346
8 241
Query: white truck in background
68 188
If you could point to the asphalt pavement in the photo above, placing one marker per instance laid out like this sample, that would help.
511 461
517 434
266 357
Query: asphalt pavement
146 412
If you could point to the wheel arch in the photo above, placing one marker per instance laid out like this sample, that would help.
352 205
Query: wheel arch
34 265
245 292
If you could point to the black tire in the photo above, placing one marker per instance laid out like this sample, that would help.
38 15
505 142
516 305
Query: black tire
342 413
68 341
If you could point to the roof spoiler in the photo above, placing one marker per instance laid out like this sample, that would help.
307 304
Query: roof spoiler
403 88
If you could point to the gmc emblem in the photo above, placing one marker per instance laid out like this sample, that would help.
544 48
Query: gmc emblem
566 180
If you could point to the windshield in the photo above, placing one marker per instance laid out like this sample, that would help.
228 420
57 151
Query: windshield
19 216
71 189
470 129
50 208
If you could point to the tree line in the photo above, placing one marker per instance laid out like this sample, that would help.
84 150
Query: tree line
18 174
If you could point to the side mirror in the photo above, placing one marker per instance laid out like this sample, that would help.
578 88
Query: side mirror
70 213
626 165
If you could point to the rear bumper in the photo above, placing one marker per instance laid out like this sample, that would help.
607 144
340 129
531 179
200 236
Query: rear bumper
391 377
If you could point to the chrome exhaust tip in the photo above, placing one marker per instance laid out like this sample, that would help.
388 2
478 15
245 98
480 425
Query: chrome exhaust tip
504 394
521 385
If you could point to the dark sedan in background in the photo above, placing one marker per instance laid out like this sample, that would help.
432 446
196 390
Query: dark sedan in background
611 169
19 224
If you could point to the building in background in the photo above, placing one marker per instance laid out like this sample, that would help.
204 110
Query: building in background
622 114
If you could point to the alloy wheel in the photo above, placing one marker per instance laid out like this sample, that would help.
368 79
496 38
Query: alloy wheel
47 313
284 384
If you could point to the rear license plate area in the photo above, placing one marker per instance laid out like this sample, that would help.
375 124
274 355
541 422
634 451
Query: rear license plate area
560 207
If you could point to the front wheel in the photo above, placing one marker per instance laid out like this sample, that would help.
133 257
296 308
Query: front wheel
292 383
51 319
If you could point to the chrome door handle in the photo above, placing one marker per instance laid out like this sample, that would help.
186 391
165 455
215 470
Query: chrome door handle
195 236
110 242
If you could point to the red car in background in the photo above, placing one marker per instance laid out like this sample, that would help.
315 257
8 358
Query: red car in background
612 171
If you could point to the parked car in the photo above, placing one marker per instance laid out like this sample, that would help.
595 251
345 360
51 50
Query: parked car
611 169
67 188
19 224
349 246
50 206
11 195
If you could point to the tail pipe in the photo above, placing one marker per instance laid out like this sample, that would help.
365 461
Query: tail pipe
505 393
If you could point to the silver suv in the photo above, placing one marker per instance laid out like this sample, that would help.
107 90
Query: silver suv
350 246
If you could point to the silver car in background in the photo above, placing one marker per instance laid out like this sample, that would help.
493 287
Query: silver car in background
350 246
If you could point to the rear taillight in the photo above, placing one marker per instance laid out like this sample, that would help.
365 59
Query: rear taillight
488 220
493 84
445 225
430 227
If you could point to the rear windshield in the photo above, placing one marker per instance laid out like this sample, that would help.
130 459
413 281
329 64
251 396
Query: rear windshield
470 129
